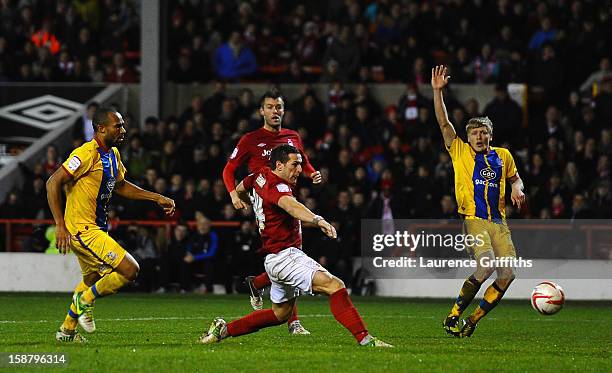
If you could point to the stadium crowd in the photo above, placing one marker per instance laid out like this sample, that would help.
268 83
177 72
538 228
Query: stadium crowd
376 161
552 44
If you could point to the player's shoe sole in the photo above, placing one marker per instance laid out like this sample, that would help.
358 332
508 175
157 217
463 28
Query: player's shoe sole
296 328
467 328
75 337
256 297
84 313
215 332
451 325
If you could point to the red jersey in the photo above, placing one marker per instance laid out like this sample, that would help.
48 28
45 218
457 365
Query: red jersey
277 228
255 148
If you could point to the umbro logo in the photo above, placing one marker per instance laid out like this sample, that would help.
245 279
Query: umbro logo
261 144
44 112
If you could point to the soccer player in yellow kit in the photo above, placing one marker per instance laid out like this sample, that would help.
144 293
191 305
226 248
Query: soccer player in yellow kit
91 174
481 174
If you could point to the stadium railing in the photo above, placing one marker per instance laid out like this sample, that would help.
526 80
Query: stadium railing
596 236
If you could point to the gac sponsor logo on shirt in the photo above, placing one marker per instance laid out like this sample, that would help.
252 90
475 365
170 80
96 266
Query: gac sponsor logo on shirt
488 173
485 182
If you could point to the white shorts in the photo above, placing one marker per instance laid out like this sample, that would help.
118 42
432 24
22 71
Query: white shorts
290 272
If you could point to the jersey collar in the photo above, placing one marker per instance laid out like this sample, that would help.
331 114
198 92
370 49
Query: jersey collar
101 145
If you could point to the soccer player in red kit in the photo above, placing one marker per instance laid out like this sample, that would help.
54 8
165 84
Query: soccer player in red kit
291 271
254 148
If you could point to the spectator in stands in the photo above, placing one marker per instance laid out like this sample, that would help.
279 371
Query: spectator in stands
244 260
345 51
136 157
234 60
83 128
174 259
92 71
201 254
183 71
547 75
603 102
597 76
120 71
410 103
13 207
601 202
145 252
544 35
505 113
52 161
462 69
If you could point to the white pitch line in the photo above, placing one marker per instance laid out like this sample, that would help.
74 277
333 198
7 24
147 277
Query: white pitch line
301 316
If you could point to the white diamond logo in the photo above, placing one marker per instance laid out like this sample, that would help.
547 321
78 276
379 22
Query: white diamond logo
44 112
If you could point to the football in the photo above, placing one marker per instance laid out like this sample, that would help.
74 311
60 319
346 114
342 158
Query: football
547 298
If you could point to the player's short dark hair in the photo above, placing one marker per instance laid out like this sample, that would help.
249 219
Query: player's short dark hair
281 154
273 93
101 117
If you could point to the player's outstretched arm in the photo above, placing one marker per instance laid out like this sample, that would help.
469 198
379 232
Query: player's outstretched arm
54 197
439 80
517 196
128 190
301 212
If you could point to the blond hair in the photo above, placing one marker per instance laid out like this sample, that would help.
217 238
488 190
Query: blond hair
478 122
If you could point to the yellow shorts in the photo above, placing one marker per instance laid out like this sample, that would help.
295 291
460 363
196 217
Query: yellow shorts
97 252
493 236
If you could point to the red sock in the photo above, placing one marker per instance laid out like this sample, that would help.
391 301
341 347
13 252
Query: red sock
346 314
261 281
252 322
293 316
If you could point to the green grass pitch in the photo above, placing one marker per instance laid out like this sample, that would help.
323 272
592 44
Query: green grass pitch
141 332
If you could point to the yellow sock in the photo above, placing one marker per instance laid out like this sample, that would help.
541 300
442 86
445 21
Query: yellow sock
466 295
491 298
109 284
81 287
70 322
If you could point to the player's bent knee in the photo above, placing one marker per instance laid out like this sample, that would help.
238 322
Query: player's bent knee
337 284
91 279
482 274
282 311
128 268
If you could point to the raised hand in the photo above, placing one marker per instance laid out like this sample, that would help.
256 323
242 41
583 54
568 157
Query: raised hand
439 79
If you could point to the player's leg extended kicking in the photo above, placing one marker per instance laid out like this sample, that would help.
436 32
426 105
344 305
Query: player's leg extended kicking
256 285
307 276
497 236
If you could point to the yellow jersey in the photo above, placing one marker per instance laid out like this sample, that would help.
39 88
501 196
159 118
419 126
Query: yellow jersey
95 170
480 180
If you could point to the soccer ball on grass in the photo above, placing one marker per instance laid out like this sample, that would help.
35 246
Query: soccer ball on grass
547 298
